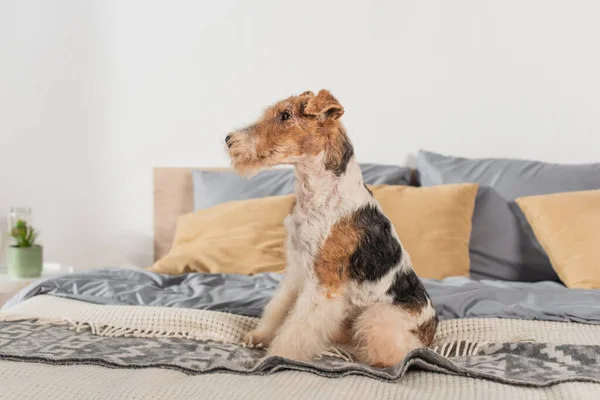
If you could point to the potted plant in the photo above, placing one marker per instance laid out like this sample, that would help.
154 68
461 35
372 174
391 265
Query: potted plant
24 258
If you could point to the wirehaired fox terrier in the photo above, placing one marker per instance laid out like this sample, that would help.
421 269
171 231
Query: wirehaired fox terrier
349 280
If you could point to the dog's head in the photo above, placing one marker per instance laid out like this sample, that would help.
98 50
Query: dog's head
292 131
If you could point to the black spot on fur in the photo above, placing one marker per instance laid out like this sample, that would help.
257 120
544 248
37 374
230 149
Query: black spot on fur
377 251
408 291
368 190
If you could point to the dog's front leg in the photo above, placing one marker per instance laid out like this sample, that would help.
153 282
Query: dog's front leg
283 300
306 331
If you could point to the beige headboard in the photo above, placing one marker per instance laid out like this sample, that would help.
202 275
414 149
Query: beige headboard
174 196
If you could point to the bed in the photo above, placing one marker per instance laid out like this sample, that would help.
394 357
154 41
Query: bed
136 334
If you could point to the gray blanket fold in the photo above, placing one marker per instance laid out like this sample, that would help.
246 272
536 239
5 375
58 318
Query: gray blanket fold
247 295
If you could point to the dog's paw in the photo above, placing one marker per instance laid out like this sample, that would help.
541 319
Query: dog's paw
290 355
257 339
288 352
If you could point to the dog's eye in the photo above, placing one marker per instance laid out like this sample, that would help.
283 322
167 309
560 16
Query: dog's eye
285 115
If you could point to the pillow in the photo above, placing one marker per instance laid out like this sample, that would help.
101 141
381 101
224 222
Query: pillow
434 225
568 227
216 187
238 237
248 236
502 243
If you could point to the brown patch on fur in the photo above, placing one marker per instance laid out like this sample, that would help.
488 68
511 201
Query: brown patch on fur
324 105
290 130
331 265
426 331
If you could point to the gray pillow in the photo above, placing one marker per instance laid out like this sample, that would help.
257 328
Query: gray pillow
503 245
216 187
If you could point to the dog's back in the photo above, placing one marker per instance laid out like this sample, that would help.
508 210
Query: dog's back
352 251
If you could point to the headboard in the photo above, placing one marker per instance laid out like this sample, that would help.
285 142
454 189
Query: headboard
174 196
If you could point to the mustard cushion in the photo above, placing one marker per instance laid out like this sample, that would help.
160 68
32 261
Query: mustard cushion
237 237
567 225
434 225
248 236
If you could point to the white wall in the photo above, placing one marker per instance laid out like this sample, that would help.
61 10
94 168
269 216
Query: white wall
93 94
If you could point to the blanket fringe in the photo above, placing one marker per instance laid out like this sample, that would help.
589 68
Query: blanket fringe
120 331
336 352
466 348
458 348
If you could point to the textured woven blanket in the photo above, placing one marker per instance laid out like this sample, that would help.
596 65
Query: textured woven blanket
517 352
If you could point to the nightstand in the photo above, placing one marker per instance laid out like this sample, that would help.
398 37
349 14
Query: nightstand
10 286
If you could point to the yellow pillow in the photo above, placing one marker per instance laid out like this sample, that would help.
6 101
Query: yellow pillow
248 236
434 225
567 225
238 237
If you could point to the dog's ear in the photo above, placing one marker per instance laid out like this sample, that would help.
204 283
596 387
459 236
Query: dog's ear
324 106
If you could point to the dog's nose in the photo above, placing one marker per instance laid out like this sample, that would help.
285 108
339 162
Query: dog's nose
227 140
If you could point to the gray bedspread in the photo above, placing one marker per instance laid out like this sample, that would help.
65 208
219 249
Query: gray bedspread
247 295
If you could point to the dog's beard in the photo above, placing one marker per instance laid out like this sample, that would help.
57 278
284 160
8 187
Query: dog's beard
245 165
246 169
244 159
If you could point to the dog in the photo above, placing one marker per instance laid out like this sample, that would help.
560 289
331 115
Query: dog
348 280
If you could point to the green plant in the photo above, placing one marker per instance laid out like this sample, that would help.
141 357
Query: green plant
23 234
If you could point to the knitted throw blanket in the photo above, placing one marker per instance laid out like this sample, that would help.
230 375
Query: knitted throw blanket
526 353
